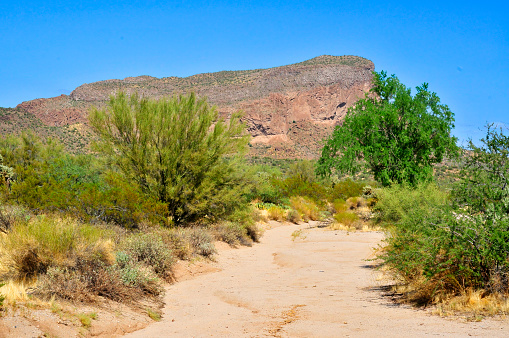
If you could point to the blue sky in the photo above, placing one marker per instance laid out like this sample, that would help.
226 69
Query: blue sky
461 49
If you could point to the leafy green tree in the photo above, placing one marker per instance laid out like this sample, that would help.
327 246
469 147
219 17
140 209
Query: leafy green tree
177 150
394 134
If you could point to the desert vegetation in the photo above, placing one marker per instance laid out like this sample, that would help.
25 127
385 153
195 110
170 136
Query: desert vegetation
165 179
447 234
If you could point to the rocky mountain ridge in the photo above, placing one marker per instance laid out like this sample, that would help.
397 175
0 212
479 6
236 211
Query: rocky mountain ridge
288 109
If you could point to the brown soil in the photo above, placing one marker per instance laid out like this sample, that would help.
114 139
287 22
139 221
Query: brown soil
314 283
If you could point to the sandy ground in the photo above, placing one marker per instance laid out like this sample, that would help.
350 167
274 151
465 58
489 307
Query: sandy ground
318 285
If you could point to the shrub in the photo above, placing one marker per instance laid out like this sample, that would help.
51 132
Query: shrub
297 186
177 240
293 216
396 202
347 218
202 242
356 202
2 297
135 274
276 213
30 249
11 215
347 188
150 250
306 207
229 232
340 206
178 151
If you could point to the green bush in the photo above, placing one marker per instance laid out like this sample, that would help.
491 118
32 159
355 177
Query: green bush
345 189
441 246
398 201
347 218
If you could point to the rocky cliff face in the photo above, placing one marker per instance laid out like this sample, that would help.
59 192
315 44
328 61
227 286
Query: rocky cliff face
288 109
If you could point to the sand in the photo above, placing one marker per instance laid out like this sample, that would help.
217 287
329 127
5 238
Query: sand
316 284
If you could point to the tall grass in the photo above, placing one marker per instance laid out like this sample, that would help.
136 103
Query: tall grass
31 248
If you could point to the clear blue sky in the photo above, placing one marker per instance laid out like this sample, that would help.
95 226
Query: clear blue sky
460 48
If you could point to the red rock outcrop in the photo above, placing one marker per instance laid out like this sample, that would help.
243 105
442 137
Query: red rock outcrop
288 109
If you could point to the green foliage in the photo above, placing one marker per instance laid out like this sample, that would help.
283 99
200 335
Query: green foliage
347 188
395 203
396 135
346 218
175 150
443 247
2 297
262 187
49 179
485 174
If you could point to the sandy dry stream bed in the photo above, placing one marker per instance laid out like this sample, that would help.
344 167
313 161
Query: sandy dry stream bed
318 285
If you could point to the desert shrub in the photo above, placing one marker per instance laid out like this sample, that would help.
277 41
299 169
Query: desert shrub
348 188
30 249
177 240
262 187
397 201
442 249
298 186
253 231
347 218
176 150
293 216
339 206
306 207
276 213
150 250
10 215
258 216
202 242
84 283
135 274
356 202
2 297
232 233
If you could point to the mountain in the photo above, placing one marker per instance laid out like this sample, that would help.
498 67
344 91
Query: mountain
288 109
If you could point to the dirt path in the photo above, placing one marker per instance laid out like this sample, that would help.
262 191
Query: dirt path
316 286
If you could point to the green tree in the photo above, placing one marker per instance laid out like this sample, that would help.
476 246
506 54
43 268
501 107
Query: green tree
177 151
394 134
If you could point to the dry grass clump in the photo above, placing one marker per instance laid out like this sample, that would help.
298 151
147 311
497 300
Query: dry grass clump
276 213
306 207
31 248
177 240
475 303
348 219
259 216
10 215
